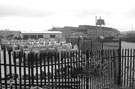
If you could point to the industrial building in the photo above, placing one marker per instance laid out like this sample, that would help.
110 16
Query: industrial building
88 30
44 34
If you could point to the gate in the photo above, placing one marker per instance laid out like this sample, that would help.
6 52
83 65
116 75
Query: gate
74 70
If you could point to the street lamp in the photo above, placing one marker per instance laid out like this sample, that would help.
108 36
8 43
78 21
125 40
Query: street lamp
101 38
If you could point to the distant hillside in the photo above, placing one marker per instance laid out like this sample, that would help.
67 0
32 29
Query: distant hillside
126 32
128 36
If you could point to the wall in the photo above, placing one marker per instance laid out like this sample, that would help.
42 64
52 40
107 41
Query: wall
45 35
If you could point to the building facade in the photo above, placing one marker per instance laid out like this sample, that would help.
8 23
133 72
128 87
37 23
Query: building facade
9 33
88 30
45 35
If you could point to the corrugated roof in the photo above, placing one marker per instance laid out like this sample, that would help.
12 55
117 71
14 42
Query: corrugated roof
41 32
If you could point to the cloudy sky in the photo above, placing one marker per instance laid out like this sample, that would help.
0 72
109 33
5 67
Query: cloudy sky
42 15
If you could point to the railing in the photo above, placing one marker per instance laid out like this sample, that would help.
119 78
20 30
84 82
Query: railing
128 68
74 70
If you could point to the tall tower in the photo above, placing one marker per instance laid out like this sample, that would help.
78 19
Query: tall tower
99 22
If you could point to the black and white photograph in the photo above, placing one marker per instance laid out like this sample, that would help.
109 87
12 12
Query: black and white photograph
67 44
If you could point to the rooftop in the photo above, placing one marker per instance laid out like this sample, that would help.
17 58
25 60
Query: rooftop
41 32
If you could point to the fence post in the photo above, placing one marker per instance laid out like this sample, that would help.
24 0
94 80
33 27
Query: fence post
87 59
0 70
119 65
32 67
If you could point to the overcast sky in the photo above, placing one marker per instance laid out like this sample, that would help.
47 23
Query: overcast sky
42 15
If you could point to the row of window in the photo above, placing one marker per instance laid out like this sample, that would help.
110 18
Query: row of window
36 36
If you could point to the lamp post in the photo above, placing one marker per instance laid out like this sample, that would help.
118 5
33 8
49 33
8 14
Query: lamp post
102 39
102 60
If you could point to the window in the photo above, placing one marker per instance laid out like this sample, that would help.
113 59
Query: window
33 36
40 36
52 36
25 37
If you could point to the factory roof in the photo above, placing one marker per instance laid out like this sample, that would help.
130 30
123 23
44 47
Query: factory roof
41 32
